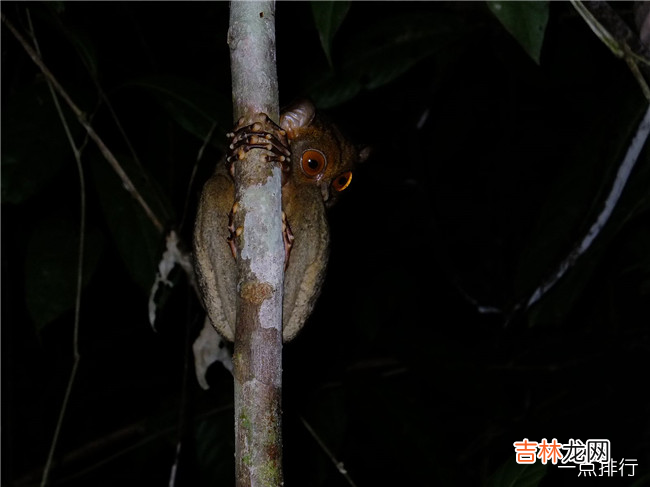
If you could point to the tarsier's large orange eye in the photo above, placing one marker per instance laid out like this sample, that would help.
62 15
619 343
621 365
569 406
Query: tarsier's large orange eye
342 181
313 163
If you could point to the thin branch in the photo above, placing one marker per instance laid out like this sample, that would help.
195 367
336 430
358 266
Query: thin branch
622 176
199 156
100 446
80 262
184 414
617 36
339 465
104 98
630 60
108 155
55 87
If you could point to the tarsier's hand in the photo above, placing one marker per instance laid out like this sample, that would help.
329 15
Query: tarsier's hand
258 135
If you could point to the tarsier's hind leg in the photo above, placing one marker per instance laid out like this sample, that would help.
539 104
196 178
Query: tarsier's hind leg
213 258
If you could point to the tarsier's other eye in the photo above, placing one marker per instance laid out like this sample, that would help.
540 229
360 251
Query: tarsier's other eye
342 181
313 163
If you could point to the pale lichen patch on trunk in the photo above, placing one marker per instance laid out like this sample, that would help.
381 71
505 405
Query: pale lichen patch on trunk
268 230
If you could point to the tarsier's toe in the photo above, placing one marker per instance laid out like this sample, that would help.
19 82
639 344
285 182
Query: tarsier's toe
288 238
232 232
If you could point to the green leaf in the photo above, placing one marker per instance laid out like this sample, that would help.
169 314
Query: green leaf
383 51
193 106
525 21
512 474
328 17
51 266
137 240
34 145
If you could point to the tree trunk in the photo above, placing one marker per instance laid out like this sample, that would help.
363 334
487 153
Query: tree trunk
257 359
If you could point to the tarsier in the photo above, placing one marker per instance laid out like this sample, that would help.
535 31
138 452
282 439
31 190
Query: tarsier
317 163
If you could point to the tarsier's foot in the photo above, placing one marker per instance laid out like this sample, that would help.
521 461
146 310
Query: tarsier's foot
287 236
232 231
259 135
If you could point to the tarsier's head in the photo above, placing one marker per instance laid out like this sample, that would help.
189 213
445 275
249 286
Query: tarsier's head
320 155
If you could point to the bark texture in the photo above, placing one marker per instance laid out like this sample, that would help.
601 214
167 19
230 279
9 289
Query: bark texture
257 359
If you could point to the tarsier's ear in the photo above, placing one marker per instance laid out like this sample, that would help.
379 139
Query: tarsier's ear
298 115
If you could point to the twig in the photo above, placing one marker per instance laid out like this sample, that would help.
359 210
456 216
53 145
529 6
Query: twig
622 176
617 36
257 358
104 98
80 260
339 465
630 60
99 446
184 408
199 156
108 155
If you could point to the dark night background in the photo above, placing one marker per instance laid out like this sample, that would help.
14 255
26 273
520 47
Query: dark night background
397 371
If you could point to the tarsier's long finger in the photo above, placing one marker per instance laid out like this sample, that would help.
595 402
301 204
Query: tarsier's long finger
258 136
